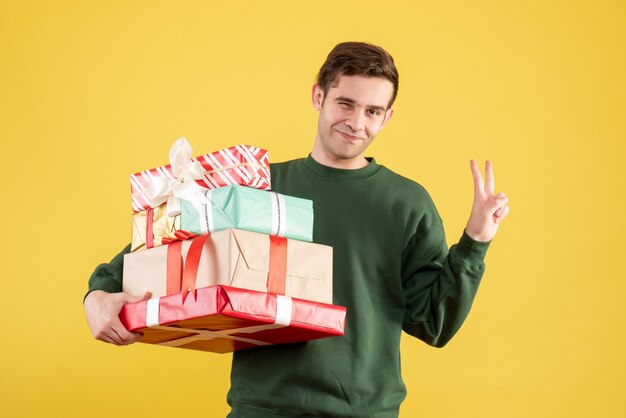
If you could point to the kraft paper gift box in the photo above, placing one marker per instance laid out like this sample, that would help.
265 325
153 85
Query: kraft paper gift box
240 164
223 319
250 209
233 257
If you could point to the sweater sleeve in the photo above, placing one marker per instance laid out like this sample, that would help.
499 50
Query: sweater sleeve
108 276
439 284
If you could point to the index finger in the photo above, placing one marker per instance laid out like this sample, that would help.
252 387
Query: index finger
478 178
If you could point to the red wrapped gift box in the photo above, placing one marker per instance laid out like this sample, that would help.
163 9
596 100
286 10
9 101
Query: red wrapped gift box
240 164
222 319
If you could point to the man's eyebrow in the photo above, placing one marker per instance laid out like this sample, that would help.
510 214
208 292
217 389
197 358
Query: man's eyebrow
344 99
381 108
351 101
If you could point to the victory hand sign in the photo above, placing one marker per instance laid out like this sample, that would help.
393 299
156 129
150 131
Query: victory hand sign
488 210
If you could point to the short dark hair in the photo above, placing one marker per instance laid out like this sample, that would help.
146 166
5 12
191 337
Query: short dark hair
357 58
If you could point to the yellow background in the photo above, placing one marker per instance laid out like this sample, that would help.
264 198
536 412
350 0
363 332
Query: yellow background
93 91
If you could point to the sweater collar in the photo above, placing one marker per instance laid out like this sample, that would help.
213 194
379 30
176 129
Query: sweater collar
339 174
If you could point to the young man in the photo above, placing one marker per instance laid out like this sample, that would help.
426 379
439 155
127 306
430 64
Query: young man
392 268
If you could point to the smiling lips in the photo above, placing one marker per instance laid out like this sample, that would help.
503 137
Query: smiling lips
349 136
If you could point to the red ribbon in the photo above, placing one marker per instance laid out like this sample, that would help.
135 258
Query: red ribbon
149 227
190 272
174 267
277 275
180 235
183 280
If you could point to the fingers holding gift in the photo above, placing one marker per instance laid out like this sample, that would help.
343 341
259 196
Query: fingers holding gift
124 336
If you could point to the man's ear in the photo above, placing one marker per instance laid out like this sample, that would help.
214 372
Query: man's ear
388 115
317 97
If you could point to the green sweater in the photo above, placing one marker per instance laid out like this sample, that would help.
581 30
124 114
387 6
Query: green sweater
391 269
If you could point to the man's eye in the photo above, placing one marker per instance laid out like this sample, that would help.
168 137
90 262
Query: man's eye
374 112
344 104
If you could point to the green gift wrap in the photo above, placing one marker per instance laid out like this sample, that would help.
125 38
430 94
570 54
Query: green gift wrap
254 210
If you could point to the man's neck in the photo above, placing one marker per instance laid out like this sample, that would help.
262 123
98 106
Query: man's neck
333 162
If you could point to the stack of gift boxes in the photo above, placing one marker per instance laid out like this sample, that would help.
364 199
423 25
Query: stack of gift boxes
229 264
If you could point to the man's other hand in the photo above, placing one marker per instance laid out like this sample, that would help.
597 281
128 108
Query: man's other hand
488 209
102 310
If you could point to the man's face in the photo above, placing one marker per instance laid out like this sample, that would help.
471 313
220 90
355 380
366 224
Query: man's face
351 114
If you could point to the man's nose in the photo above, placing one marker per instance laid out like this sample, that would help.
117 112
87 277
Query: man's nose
356 121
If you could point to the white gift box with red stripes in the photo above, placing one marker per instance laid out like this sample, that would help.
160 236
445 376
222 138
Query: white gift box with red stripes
241 164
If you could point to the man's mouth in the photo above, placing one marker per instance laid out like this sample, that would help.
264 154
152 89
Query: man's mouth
348 136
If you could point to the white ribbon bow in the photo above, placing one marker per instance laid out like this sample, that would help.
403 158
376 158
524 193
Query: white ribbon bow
183 186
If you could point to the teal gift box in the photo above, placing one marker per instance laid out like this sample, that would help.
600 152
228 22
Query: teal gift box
254 210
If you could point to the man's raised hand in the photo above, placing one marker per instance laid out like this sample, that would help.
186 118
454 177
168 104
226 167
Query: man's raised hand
488 209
